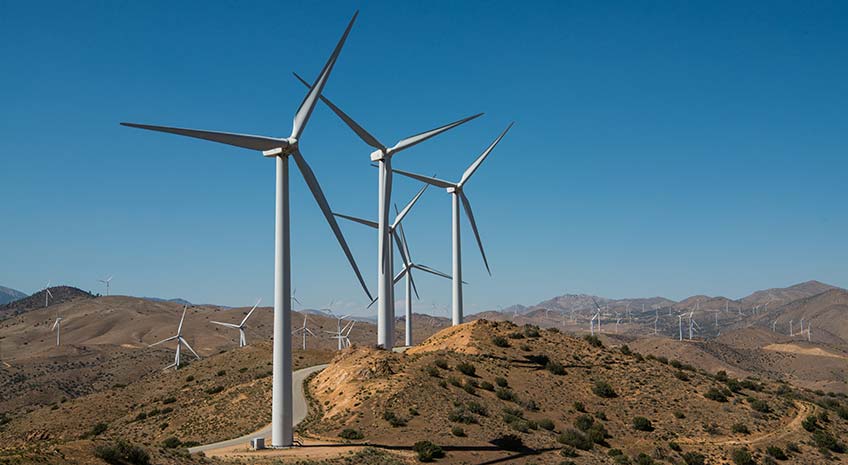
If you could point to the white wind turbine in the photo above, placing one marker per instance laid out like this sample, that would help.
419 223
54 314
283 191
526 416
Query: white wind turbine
108 283
47 294
281 149
343 334
394 239
656 319
680 326
791 331
383 155
57 326
304 331
456 190
180 342
597 315
692 325
773 326
802 325
408 266
240 326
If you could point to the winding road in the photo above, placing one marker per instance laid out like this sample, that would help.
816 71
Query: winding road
301 408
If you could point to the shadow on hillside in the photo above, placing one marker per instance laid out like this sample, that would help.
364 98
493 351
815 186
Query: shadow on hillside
525 452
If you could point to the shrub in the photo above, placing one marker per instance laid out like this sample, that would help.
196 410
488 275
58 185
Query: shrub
469 388
584 422
413 411
477 408
625 349
99 429
393 419
643 459
598 434
679 415
215 390
760 405
515 335
579 406
603 389
500 381
458 432
810 423
509 442
575 439
776 452
460 415
169 400
681 375
716 395
528 404
531 331
427 451
454 381
555 368
642 424
351 434
694 458
466 369
242 369
432 371
568 451
740 428
443 384
141 416
487 386
601 416
171 443
221 373
674 446
500 341
721 375
792 447
742 457
167 410
825 440
189 378
505 394
593 341
547 424
121 453
441 363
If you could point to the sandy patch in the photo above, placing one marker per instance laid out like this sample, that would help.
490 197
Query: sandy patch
795 349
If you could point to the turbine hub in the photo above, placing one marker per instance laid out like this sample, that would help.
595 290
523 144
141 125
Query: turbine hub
287 146
379 155
453 189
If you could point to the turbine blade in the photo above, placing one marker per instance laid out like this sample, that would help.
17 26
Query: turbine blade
350 328
425 179
250 312
467 205
414 287
403 241
246 141
189 348
308 104
400 274
471 169
163 340
408 206
370 223
49 293
432 271
180 327
312 182
421 137
373 301
359 130
55 324
228 325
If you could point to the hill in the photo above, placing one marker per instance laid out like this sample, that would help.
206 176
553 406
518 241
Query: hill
784 295
490 392
61 294
8 294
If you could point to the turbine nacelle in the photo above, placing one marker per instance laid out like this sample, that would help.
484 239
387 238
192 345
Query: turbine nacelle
287 147
380 155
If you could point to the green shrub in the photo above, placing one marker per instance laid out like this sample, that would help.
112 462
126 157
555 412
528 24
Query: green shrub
466 369
721 375
515 335
478 409
555 368
759 405
776 452
469 388
167 410
603 389
487 386
509 442
810 423
694 458
394 420
681 375
413 411
99 429
531 331
454 381
579 406
575 439
141 416
189 378
441 363
598 434
122 453
500 341
742 457
716 395
679 415
460 415
432 371
505 394
547 424
169 400
427 451
584 422
171 443
215 390
568 451
642 424
593 341
221 373
351 434
643 459
458 432
740 428
825 440
625 349
674 446
500 381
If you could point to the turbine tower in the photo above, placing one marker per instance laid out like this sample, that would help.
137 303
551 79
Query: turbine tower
57 326
240 326
456 190
383 155
408 266
281 149
180 342
108 283
47 295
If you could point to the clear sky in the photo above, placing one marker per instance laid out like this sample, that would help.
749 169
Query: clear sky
660 148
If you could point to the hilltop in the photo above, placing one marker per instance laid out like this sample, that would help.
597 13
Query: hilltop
468 388
61 294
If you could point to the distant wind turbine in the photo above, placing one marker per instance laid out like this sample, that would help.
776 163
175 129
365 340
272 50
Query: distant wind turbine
304 331
240 326
47 294
180 342
342 334
57 326
108 283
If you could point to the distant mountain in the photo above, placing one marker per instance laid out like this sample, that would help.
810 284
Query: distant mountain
8 294
784 295
60 294
175 301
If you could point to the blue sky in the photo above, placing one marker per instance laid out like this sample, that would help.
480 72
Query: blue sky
660 148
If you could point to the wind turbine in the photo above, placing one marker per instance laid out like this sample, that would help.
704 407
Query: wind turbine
791 331
240 326
592 322
802 325
180 342
656 319
342 334
281 149
773 325
107 282
692 325
303 330
47 294
383 156
57 326
456 190
408 266
680 325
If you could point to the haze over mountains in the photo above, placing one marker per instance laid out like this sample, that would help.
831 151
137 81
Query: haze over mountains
8 295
